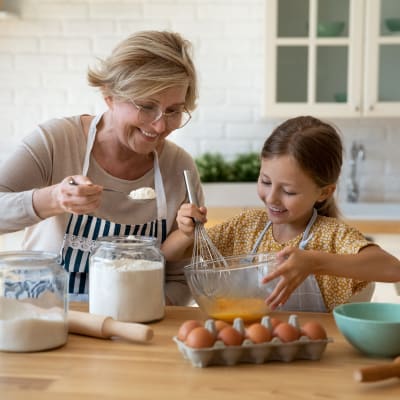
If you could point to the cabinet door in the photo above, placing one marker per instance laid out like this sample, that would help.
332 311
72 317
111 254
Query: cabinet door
313 57
382 58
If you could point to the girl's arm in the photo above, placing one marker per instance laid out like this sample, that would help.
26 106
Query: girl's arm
371 263
179 243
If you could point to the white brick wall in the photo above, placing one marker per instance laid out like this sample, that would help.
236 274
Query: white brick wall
46 48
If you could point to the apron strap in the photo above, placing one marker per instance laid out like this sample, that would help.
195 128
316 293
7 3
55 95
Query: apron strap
159 188
260 237
304 240
306 234
90 142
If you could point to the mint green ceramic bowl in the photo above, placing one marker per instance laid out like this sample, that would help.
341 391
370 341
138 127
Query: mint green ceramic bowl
372 328
393 24
330 28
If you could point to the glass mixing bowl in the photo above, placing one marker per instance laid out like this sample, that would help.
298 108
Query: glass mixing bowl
234 291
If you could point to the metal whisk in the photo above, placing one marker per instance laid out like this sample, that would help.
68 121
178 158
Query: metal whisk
205 253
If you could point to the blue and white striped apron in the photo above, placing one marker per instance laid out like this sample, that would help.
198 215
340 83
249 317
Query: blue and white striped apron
83 230
307 296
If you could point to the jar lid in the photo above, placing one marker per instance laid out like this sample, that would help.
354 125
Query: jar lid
130 240
27 258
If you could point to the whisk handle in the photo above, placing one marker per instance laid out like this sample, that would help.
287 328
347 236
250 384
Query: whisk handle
189 187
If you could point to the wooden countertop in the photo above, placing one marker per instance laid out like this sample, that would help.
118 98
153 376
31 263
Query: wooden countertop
89 368
218 214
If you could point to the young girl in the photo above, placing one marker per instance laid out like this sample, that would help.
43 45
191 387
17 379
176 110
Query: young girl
300 167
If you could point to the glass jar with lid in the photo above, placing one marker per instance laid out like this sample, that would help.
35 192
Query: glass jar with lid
33 301
126 279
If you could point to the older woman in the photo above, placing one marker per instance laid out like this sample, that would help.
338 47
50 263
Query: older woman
53 186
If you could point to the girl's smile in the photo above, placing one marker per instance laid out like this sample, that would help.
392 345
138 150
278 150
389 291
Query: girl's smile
289 194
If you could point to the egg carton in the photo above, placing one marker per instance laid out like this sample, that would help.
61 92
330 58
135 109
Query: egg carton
248 352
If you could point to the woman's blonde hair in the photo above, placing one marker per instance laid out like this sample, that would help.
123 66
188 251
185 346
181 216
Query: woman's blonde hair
144 64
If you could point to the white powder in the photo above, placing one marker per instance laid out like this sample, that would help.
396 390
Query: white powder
143 193
127 290
25 327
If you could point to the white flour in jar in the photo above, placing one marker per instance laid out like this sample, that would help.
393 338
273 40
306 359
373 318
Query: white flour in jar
127 290
25 327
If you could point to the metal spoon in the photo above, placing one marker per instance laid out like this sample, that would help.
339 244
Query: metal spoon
74 183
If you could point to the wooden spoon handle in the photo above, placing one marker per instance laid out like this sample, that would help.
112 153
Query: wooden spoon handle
378 372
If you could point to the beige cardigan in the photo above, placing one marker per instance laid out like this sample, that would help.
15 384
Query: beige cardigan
56 149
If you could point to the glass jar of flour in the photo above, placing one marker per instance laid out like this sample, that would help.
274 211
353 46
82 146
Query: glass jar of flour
33 301
126 279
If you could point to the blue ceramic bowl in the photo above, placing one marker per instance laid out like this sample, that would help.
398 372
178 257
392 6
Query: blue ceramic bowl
393 24
372 328
330 28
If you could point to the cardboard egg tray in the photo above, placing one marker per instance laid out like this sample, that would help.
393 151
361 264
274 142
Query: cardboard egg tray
249 352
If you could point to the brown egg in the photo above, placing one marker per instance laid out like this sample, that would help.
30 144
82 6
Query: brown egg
286 332
200 337
219 324
274 322
258 333
230 336
314 330
186 327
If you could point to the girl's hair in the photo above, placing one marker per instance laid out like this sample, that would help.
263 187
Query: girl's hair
144 64
317 148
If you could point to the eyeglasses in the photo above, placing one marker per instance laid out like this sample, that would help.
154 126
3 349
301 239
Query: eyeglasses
150 113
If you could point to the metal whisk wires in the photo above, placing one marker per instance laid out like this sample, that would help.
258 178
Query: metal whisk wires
205 253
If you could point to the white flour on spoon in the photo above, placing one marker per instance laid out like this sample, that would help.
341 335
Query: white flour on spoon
144 193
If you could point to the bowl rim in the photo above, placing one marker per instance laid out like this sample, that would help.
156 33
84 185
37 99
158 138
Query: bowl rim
338 312
269 257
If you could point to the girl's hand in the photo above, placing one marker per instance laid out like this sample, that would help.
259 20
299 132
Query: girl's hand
186 217
294 267
78 195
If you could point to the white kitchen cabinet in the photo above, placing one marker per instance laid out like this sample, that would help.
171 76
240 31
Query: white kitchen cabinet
351 72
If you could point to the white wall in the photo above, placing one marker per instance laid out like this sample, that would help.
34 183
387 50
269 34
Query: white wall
46 48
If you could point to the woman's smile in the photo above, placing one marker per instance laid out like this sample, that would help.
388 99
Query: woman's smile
148 134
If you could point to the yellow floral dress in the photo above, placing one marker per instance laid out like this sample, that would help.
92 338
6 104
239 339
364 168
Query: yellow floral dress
238 235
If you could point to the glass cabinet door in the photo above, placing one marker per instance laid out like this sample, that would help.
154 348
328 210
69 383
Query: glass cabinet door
320 23
332 59
292 82
382 77
389 53
311 47
292 54
293 18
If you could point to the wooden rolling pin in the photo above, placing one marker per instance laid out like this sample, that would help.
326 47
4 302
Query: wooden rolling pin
105 327
378 372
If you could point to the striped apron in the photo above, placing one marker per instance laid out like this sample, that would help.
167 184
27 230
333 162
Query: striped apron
82 231
307 296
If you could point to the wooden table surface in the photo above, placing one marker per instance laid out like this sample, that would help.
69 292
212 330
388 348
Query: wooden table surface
90 368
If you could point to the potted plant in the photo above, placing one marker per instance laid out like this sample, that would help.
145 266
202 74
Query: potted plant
229 183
